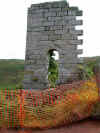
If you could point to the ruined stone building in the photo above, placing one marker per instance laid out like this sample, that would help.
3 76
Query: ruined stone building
51 26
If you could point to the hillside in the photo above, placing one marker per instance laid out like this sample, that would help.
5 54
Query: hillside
94 59
11 70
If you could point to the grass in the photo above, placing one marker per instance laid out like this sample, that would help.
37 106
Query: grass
11 73
77 102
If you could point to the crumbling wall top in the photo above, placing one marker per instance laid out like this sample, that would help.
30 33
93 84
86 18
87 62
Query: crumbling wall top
51 6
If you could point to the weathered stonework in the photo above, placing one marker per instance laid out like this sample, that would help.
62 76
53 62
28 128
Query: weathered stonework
51 26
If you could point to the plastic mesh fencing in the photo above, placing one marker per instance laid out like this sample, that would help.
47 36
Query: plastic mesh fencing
15 104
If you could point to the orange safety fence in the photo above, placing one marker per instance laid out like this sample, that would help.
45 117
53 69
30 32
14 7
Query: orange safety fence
13 102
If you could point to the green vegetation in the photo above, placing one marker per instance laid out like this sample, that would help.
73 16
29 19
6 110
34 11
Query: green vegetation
85 72
35 79
52 69
86 68
11 73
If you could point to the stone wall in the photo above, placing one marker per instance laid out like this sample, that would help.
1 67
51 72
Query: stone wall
51 26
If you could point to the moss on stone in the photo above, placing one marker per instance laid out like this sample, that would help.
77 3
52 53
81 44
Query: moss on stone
28 72
35 79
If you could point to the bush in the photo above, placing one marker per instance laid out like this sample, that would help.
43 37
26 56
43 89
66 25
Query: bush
85 72
52 70
19 86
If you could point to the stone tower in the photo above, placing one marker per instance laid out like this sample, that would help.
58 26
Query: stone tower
51 26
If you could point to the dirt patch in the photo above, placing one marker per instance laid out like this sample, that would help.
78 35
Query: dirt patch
85 126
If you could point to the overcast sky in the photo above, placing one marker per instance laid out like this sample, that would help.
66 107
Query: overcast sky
13 24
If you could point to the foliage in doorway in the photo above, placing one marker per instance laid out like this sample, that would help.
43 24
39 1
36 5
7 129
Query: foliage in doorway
52 69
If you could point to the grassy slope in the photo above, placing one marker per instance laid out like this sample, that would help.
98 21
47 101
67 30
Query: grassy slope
11 71
92 60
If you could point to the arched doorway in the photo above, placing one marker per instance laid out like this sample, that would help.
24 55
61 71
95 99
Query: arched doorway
53 57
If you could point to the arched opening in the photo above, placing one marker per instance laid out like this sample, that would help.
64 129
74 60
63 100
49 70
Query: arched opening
53 56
